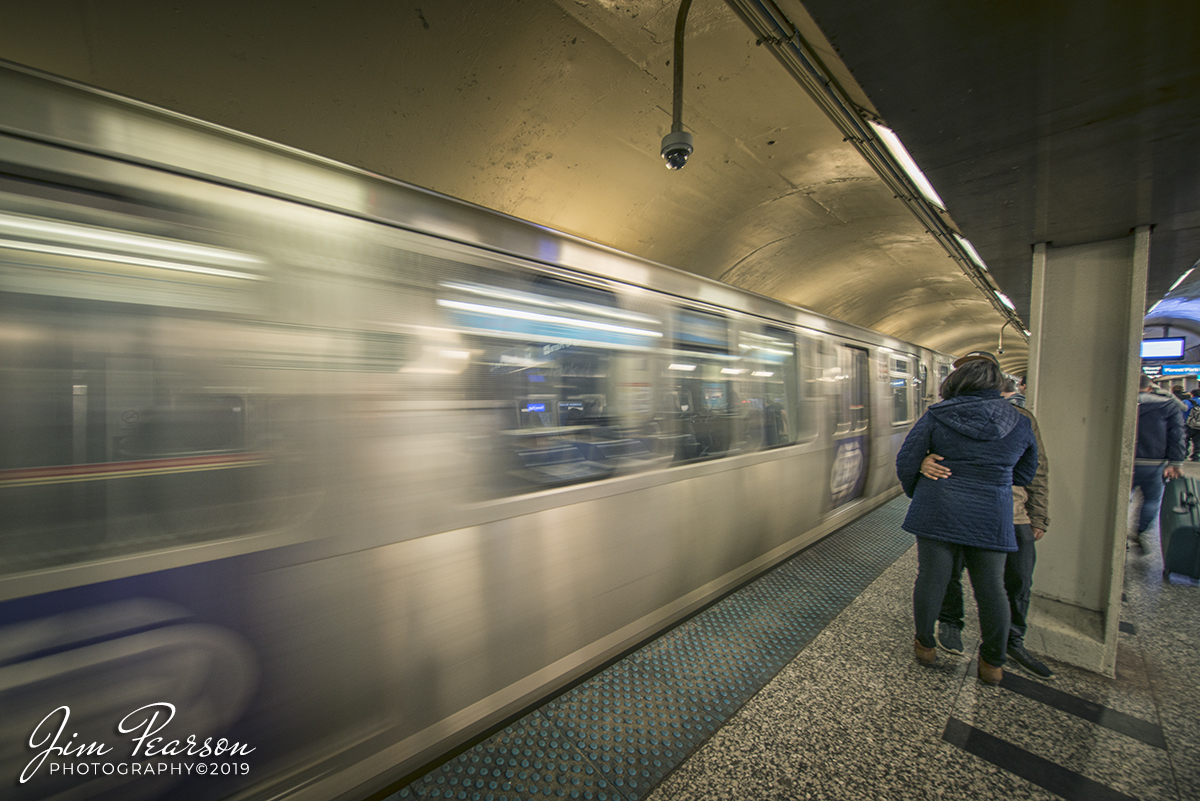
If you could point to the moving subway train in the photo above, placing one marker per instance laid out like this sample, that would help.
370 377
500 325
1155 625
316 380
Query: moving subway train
309 476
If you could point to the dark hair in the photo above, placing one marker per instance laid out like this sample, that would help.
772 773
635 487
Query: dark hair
1144 381
1010 384
974 376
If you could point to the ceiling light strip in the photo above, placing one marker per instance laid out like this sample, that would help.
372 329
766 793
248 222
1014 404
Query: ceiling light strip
775 30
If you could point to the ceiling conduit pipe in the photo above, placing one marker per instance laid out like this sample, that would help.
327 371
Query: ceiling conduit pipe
677 145
1000 345
773 28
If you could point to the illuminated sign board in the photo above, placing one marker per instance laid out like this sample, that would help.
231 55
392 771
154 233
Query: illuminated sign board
1181 369
1164 348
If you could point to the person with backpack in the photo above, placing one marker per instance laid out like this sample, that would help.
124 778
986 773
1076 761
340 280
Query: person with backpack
1193 424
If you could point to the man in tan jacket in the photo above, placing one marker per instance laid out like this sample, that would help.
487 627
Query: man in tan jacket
1030 519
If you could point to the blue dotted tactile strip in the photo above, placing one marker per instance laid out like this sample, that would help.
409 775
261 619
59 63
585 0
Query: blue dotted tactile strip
618 734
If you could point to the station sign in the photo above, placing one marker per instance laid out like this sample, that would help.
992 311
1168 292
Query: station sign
1181 369
1152 370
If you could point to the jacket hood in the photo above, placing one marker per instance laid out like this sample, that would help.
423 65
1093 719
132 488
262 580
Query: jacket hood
1152 398
980 415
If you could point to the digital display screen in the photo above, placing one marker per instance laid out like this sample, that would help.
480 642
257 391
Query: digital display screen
1164 348
535 407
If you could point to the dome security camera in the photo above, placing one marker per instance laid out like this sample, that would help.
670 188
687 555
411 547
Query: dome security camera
676 147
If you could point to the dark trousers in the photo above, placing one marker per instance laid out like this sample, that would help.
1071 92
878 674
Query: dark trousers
1018 586
936 563
1150 478
1194 439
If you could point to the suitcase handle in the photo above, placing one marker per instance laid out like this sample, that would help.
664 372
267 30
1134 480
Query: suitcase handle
1186 499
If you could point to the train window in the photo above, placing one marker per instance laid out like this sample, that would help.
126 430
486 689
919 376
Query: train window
571 372
115 441
812 387
766 382
943 374
702 413
701 331
900 379
851 380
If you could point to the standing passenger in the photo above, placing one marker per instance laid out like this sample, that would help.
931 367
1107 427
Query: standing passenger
1031 518
1019 398
1161 450
988 446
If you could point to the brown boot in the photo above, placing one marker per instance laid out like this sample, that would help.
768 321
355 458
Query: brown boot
926 656
990 674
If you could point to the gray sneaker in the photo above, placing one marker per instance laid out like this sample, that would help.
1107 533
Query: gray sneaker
949 638
1028 662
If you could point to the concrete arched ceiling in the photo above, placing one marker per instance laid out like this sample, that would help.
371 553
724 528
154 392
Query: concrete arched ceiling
549 110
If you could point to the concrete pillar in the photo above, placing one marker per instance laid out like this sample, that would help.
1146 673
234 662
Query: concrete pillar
1087 308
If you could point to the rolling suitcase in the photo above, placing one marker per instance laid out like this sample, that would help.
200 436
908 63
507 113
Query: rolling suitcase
1179 528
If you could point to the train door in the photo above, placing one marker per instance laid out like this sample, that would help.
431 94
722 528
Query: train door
852 423
943 372
924 394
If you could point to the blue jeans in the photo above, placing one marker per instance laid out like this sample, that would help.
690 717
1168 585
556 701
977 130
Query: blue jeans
1150 478
1018 586
936 561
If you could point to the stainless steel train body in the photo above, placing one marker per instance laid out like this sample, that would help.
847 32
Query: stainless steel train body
347 472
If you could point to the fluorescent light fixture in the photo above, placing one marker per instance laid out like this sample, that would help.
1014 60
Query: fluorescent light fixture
1005 300
687 368
966 245
731 371
1180 280
900 154
762 374
1152 308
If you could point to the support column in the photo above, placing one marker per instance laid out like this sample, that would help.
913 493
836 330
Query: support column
1087 308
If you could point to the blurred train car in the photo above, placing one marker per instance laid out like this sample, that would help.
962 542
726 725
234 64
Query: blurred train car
346 472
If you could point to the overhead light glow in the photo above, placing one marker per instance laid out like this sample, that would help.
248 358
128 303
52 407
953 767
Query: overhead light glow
1005 300
731 371
762 374
124 258
900 154
1180 280
545 318
30 229
966 245
687 368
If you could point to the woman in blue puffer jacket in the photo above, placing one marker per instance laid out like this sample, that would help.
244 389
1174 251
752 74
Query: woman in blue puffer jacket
988 446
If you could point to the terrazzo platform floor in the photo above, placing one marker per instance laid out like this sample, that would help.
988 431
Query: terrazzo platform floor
853 716
802 685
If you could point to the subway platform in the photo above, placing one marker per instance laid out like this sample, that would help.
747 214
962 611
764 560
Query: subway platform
802 685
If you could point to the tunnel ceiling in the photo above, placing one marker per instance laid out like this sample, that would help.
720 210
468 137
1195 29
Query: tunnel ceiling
553 110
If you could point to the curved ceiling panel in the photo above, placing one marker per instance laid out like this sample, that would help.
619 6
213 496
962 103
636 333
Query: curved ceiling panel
550 110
